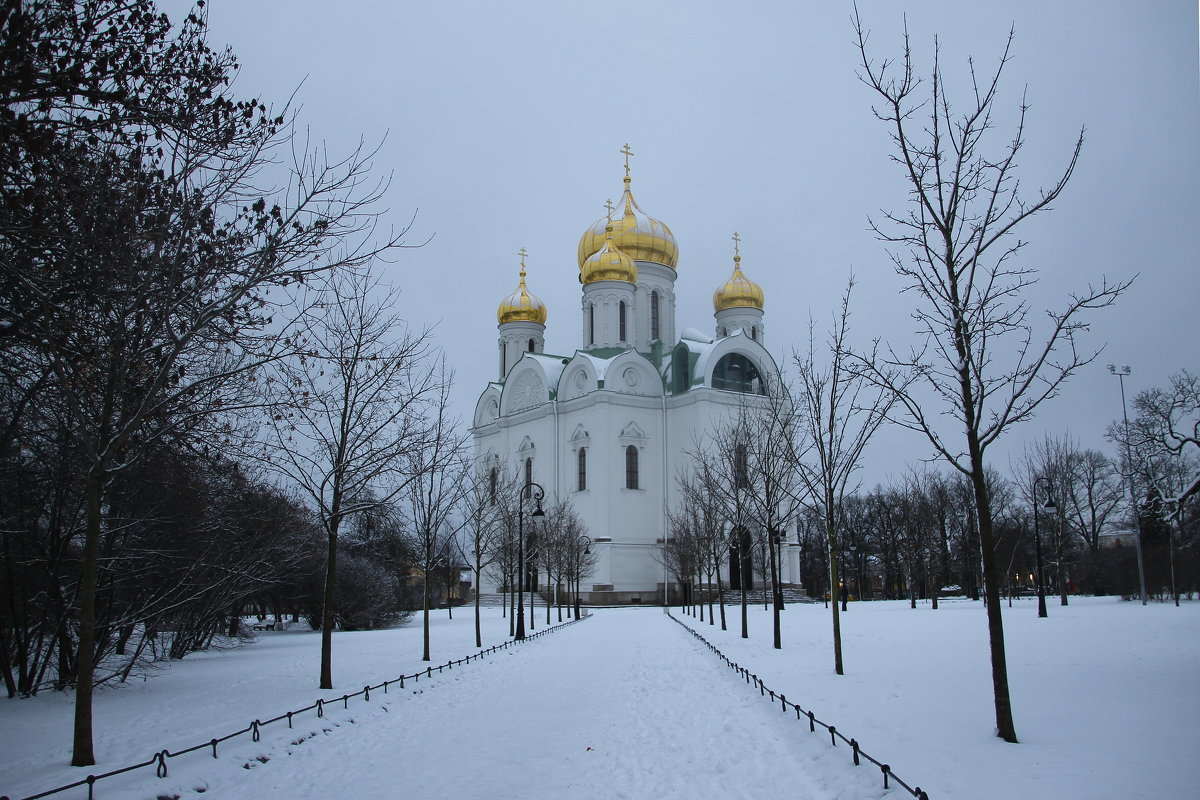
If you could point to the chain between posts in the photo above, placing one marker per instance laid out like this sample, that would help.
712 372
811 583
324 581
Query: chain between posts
159 759
834 734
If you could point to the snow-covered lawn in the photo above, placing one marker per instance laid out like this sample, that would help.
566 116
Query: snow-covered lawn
1106 694
628 705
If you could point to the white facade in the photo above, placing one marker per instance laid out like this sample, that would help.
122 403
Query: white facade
636 397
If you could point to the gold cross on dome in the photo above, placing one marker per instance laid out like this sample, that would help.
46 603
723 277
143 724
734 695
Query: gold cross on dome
627 153
608 204
522 254
737 240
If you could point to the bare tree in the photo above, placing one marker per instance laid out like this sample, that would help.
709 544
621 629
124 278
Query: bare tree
351 407
489 492
1169 420
838 411
438 475
981 361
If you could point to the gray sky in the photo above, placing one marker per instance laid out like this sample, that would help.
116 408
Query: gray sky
503 123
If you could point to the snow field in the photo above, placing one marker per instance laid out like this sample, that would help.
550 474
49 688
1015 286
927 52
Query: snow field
628 705
1104 693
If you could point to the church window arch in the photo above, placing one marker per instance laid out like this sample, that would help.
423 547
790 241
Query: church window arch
532 345
502 360
631 467
582 458
591 323
528 478
737 373
680 371
724 332
493 477
654 323
741 467
754 332
621 321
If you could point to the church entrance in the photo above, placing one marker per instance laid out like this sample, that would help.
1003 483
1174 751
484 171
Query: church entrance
741 567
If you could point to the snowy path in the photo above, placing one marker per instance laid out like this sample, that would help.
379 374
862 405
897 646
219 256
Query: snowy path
629 711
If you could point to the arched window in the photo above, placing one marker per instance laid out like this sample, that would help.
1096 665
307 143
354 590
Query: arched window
736 373
724 332
532 345
680 372
654 332
753 333
631 467
528 478
493 476
582 469
741 467
591 324
621 321
502 364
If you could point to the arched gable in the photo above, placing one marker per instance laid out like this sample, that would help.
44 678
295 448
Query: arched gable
742 345
631 373
579 377
526 387
487 407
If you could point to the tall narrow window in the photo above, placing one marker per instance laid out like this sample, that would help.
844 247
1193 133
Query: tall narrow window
621 320
582 468
502 364
492 478
531 345
654 332
754 333
528 478
631 467
591 324
741 469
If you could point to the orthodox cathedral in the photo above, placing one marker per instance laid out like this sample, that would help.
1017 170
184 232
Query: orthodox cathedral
609 425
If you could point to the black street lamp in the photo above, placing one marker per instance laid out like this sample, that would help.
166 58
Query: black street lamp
583 547
1037 536
535 491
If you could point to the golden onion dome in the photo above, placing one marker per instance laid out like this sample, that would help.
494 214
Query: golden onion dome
608 263
521 306
637 234
739 291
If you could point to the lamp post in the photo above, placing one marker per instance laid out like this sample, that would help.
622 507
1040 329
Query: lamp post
1121 372
535 491
1041 592
583 547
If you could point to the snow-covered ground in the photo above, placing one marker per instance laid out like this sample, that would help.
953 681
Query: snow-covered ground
628 705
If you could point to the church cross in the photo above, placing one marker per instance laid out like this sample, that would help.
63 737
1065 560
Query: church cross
737 240
627 153
611 208
522 254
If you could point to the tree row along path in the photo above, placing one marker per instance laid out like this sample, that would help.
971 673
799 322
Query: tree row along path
625 705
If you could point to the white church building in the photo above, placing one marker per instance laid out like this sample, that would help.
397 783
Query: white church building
609 424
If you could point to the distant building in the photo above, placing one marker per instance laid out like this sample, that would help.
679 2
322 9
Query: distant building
608 424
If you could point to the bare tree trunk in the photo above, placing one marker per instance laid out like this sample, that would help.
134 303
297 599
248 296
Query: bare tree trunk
82 753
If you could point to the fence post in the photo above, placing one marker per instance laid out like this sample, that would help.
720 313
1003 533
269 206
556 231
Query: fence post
854 746
811 723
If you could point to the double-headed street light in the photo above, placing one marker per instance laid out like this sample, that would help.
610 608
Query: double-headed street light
1121 372
536 492
1037 537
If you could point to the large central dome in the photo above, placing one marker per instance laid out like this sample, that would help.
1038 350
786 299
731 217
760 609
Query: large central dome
636 233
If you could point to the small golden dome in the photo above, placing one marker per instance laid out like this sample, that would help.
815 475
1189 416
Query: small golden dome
637 234
608 263
739 291
521 306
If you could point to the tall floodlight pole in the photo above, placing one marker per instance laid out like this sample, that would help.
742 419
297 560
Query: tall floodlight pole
1121 372
535 491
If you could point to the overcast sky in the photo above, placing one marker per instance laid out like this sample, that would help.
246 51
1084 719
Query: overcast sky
501 125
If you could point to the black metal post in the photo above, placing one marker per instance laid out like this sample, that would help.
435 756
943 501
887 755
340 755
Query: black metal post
528 492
